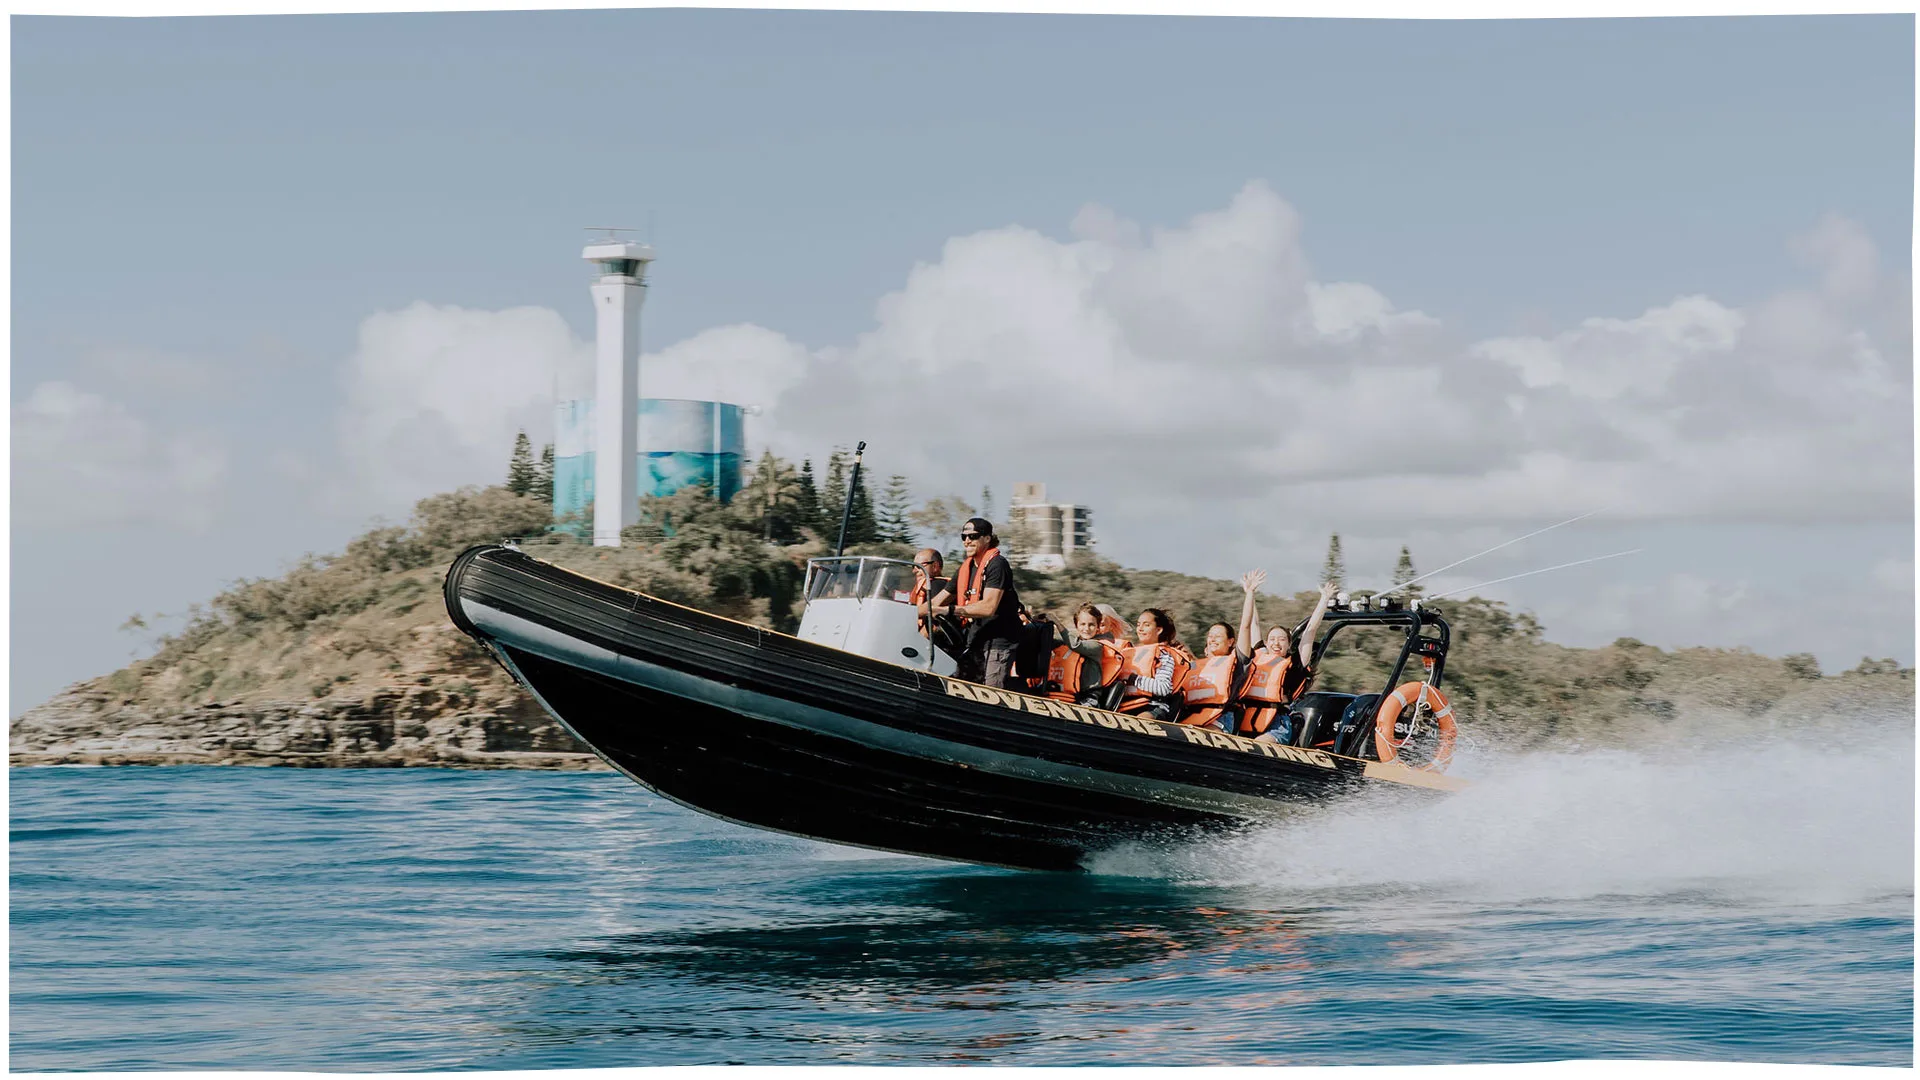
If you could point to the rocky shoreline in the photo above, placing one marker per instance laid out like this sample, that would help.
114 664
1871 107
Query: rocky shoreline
392 727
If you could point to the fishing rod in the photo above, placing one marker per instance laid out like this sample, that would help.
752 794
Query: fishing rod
1491 550
1530 573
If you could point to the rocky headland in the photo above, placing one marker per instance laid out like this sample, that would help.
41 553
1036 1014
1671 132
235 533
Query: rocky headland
350 661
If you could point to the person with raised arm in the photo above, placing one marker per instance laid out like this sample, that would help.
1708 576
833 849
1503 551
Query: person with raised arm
1213 686
1279 669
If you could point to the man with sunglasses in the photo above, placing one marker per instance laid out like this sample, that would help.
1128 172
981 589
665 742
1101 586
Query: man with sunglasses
927 584
927 565
983 597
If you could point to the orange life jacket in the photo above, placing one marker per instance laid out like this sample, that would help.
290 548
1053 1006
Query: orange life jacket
1265 692
1067 668
970 582
1142 661
1267 673
1209 690
919 594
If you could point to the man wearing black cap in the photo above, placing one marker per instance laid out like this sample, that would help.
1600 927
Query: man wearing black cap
982 595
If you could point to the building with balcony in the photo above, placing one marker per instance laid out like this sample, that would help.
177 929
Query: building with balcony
1042 534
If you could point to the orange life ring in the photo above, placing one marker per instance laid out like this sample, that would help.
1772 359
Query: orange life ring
1402 699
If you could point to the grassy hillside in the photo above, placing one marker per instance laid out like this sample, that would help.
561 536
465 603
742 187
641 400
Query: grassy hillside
369 622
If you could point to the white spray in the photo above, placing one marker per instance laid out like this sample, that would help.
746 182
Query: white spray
1787 819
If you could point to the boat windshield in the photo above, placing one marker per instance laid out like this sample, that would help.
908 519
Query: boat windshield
862 577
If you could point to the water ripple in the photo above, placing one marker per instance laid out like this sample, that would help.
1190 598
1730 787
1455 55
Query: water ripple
192 918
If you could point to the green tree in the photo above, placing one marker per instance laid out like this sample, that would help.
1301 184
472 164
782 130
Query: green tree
1801 665
543 476
772 496
896 503
863 527
522 474
808 513
1335 568
940 518
986 506
833 495
1403 572
718 549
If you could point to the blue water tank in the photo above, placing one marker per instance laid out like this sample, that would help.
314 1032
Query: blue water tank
681 442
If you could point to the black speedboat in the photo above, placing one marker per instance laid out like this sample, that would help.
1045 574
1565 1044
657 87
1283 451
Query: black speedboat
795 735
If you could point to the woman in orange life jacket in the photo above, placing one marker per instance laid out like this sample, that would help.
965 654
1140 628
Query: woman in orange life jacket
1277 671
1086 658
1213 686
1158 669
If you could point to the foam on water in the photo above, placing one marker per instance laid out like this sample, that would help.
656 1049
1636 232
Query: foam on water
1790 820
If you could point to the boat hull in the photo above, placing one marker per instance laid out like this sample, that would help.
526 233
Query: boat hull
766 730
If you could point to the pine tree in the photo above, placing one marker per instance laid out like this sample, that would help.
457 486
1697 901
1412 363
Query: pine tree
521 474
895 503
1335 568
543 476
833 496
759 492
862 527
1403 572
807 514
986 504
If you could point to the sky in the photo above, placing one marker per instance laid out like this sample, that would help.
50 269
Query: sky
1234 283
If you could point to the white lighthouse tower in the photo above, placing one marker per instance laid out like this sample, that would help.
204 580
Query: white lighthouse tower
617 295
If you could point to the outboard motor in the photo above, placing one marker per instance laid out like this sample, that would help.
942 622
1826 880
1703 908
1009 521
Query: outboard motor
1354 736
1317 716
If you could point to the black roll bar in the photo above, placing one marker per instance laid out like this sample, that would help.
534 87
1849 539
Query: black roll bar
1418 643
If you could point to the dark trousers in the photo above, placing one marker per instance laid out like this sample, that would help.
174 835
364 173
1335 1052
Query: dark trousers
989 663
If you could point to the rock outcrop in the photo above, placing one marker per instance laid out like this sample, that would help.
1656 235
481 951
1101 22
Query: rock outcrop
393 726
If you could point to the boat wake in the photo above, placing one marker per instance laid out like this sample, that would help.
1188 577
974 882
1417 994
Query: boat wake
1787 819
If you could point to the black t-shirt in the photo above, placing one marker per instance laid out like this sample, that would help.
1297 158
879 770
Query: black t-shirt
1004 623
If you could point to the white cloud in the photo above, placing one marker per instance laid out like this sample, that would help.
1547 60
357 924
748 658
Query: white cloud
435 395
1343 311
1155 373
80 459
1201 373
744 365
1845 256
1231 383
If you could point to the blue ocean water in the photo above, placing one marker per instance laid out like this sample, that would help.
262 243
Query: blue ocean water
1754 904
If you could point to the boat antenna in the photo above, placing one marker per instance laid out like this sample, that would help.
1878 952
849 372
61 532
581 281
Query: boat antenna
846 513
1491 550
1530 573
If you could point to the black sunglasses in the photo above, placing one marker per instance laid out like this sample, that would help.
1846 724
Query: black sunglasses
971 536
